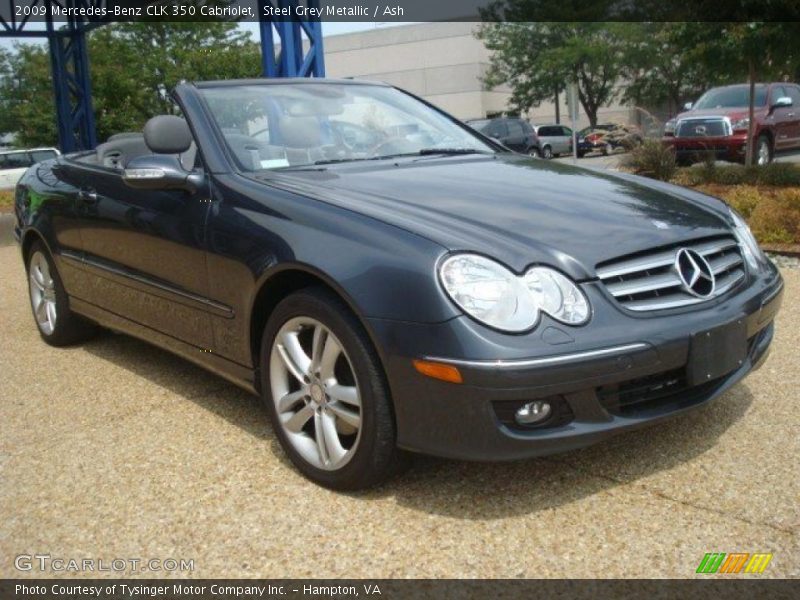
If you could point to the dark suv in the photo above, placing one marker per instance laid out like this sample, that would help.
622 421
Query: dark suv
717 123
514 133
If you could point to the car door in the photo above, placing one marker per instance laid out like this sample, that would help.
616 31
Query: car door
144 254
516 138
794 115
782 118
498 130
565 142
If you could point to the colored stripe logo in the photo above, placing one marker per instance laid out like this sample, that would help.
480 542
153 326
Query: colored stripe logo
737 562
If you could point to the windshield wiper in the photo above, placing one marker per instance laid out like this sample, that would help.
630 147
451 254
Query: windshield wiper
450 151
423 152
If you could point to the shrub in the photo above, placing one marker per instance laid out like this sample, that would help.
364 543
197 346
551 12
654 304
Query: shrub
777 174
652 159
773 174
772 213
776 219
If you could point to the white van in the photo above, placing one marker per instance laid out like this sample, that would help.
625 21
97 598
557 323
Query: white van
14 163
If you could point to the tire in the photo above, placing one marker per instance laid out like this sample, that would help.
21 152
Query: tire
763 151
534 152
581 154
57 324
547 153
334 394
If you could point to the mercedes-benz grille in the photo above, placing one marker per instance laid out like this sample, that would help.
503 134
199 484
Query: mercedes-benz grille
657 280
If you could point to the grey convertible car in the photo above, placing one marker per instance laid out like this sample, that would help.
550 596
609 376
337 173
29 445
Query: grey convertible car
388 280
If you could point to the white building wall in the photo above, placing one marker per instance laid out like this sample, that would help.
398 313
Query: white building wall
441 62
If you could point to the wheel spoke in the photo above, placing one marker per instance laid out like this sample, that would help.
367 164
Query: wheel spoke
289 400
344 393
330 448
329 355
40 310
294 357
296 422
38 275
317 345
345 414
51 313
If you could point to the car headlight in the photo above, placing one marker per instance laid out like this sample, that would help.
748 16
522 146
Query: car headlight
753 254
490 293
740 124
669 127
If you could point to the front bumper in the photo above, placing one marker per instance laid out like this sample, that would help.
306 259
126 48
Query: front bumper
730 147
638 377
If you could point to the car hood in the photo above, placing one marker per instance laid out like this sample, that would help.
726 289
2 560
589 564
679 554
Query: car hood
518 210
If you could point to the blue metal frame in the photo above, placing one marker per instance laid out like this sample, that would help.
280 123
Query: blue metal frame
299 54
293 58
69 65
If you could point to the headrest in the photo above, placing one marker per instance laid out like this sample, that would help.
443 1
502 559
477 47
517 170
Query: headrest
167 134
300 132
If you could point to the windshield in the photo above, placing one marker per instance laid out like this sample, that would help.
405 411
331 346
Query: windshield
732 97
276 126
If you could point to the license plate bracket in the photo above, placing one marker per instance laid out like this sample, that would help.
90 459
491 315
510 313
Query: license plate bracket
716 352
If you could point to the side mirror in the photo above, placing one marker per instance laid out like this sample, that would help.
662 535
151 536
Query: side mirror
688 106
782 102
160 172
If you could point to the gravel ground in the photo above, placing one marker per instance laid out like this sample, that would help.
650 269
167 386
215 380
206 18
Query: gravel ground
785 262
117 449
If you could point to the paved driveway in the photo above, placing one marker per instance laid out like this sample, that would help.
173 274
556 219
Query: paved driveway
116 449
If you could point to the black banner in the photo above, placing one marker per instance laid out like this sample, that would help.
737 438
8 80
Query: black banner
729 587
60 11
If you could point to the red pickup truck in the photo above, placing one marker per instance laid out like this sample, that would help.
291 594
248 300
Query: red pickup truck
718 123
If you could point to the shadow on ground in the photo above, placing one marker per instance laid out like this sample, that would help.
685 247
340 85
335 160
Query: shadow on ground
461 490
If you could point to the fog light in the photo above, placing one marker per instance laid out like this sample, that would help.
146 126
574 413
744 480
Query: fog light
533 412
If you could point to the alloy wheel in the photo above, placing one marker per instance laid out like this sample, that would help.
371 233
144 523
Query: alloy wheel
763 152
315 392
43 293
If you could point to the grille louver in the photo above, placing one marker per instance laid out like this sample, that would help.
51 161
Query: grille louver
650 281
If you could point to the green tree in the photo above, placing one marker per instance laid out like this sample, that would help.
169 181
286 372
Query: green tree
133 67
26 96
535 59
667 65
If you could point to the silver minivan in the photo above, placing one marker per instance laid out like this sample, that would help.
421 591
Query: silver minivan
554 139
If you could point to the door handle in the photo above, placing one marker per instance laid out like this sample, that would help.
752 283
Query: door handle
87 196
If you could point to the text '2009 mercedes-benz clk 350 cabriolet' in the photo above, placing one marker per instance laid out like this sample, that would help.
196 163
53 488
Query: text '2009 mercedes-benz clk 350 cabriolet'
389 280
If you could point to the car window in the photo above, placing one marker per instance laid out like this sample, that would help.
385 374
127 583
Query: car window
794 94
498 129
545 131
515 128
16 160
566 131
778 92
40 155
482 125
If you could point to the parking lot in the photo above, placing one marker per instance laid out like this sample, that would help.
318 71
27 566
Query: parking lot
116 449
